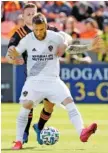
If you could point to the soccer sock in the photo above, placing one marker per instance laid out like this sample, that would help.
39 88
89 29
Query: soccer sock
21 123
30 117
75 117
44 117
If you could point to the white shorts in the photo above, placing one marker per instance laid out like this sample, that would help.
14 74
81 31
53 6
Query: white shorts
36 90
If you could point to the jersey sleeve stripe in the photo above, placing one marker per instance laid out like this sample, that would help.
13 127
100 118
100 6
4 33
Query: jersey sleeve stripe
25 33
19 34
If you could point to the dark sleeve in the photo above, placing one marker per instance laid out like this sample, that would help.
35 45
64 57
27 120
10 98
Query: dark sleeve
15 39
53 28
24 55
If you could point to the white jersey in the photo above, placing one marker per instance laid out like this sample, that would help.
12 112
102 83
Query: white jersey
42 62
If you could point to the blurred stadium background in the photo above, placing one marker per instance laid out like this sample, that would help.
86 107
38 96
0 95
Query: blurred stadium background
85 75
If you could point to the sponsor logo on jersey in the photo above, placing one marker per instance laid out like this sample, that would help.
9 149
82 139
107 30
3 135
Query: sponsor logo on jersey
34 49
42 57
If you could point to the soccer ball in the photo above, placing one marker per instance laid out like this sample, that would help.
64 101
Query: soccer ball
49 135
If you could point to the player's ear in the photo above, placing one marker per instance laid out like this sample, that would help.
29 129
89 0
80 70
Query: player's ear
23 15
46 26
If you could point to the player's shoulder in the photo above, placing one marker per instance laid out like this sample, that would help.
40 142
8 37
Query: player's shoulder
53 34
29 36
52 28
21 31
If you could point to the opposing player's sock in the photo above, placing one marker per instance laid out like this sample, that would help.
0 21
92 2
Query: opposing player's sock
44 117
75 117
26 132
21 123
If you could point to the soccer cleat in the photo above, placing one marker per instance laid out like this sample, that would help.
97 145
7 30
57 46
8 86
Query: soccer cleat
87 132
35 127
17 146
25 137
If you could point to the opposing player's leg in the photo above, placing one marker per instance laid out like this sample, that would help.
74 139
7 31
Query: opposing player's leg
45 113
44 117
61 94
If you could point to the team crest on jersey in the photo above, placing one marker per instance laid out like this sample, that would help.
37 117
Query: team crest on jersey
12 39
25 93
50 48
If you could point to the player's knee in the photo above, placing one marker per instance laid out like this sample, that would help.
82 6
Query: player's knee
48 106
28 104
68 100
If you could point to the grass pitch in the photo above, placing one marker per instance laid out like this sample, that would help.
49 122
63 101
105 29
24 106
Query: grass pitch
69 141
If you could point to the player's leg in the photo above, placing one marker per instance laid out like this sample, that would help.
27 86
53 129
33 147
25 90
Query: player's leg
22 120
61 94
77 121
28 98
44 117
26 132
45 113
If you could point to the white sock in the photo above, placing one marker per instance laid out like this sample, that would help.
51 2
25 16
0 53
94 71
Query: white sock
75 117
22 120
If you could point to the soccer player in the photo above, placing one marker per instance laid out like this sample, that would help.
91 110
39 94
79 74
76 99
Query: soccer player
44 48
29 11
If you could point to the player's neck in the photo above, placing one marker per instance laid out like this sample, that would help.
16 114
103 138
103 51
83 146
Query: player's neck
42 37
29 26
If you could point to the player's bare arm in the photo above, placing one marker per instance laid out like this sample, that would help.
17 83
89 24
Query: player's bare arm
84 60
95 46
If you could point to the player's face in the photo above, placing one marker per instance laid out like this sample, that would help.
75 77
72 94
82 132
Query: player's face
40 30
28 15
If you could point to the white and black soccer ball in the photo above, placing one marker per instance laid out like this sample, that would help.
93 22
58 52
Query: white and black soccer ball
49 135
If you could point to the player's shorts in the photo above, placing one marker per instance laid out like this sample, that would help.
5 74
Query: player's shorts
36 90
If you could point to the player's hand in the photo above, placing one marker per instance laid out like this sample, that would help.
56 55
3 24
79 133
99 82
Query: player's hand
12 52
19 61
98 45
11 57
16 61
61 50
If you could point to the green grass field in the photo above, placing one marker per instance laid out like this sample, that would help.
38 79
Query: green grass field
69 141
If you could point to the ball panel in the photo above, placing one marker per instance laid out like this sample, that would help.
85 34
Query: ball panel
49 135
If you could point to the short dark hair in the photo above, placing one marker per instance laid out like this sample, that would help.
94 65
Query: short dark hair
39 18
29 5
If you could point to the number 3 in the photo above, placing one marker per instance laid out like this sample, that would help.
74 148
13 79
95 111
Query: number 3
81 91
